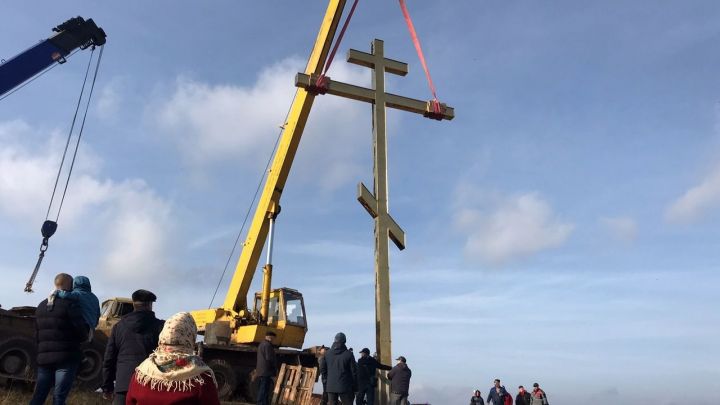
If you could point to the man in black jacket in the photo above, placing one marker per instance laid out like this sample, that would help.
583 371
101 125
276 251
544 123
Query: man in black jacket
400 382
60 330
340 370
131 341
367 379
266 368
523 397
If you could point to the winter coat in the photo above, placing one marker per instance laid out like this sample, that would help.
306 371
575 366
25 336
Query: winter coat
88 302
400 379
131 341
476 401
538 397
340 369
266 365
496 398
523 399
199 394
60 330
367 368
323 377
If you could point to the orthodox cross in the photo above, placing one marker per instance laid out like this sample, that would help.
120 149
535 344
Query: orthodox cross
376 203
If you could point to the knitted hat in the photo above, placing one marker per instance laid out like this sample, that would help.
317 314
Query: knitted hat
179 330
340 338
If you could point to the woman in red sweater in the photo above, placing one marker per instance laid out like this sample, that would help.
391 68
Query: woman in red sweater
173 374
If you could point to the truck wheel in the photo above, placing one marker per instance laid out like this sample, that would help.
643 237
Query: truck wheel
225 377
17 358
90 372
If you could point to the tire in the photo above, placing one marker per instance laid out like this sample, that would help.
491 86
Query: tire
17 358
89 374
225 376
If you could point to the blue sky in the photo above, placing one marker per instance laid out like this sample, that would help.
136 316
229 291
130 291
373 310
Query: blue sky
562 229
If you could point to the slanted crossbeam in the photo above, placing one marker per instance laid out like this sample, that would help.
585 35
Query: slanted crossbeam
376 202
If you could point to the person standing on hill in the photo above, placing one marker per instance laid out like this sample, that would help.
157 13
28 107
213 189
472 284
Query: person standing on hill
341 371
477 399
538 396
400 382
497 394
266 368
367 378
523 397
131 341
60 332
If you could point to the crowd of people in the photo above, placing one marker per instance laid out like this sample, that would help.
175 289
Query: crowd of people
497 395
149 361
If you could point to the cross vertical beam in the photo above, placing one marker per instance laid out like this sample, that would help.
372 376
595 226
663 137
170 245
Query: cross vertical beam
376 202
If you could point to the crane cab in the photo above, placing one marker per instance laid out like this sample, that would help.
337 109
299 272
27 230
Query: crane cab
286 317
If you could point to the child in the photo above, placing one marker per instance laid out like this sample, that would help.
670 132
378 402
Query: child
88 302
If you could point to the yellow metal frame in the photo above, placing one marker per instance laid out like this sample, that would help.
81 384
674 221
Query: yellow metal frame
234 308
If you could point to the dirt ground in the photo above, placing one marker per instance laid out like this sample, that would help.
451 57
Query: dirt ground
17 395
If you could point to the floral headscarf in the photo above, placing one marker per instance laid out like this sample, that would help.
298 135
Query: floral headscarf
173 366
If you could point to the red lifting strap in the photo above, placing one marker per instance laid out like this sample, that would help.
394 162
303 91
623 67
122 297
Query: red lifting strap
321 83
435 103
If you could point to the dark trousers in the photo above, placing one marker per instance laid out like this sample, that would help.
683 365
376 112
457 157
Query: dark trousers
264 390
61 376
120 398
366 394
345 398
324 400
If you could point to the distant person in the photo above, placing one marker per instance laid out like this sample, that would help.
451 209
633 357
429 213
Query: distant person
88 302
341 371
497 394
523 397
538 396
400 382
367 377
60 332
323 377
173 374
131 341
477 399
266 368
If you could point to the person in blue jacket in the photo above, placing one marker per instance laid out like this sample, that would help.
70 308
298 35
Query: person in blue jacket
86 300
496 394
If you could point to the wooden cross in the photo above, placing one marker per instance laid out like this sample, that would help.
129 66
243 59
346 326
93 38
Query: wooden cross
376 203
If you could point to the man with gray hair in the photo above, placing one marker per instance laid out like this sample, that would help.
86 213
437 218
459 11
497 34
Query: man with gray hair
131 341
340 371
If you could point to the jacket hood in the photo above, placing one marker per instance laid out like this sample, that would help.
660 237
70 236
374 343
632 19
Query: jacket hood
140 321
82 283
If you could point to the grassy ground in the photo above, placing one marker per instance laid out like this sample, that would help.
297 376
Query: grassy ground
19 393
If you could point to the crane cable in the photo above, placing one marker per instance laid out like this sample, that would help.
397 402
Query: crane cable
50 226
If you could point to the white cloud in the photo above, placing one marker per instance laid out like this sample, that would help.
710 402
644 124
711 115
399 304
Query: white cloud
110 99
216 123
508 228
696 201
623 228
131 220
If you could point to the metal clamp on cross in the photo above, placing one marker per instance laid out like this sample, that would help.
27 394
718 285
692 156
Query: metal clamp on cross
377 203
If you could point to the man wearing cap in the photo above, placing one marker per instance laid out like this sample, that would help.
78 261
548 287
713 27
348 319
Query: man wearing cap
131 341
538 396
367 379
266 368
400 382
340 370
